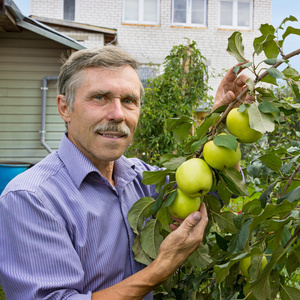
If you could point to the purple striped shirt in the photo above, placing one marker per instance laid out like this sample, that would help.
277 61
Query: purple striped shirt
63 228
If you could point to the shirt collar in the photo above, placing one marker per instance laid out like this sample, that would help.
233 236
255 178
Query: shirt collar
79 166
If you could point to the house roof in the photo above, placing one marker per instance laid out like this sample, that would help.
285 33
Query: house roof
110 34
12 20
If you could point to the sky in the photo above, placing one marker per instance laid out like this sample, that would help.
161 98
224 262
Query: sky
280 10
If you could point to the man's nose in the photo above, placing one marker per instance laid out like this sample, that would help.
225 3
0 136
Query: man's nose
116 111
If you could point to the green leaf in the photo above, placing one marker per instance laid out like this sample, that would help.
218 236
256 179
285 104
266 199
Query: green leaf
235 47
275 73
265 196
170 198
290 30
251 85
197 145
139 255
291 196
222 242
289 293
201 258
261 287
240 239
272 61
151 238
182 132
158 202
206 124
228 141
272 161
290 73
290 18
174 163
139 212
269 79
271 49
225 221
260 121
165 219
155 177
268 108
234 180
272 210
293 261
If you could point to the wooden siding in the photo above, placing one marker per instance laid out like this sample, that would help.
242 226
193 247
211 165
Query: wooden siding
25 59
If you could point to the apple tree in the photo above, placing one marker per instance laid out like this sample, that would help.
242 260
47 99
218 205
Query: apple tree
250 252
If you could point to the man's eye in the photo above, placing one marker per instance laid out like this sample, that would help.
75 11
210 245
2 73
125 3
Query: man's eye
99 97
128 101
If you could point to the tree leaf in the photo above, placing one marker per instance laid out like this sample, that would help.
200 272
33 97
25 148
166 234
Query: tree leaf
139 255
225 221
151 238
289 293
261 287
268 108
174 163
155 177
165 219
234 180
275 73
272 210
158 202
170 198
228 141
291 196
206 124
235 47
139 212
222 242
271 49
265 196
290 30
259 121
239 240
201 258
272 161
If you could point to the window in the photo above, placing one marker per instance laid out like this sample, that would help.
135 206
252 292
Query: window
141 11
69 10
236 14
189 12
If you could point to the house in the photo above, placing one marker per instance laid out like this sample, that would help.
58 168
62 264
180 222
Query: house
31 48
30 60
148 29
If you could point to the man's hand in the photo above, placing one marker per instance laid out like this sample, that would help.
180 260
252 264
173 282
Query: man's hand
230 87
183 241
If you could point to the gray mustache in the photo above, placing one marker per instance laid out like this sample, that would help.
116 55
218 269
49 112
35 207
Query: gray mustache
113 127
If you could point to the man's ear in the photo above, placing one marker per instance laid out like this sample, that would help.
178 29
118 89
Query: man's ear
63 108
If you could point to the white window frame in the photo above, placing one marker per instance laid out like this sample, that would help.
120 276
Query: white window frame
234 16
189 15
141 14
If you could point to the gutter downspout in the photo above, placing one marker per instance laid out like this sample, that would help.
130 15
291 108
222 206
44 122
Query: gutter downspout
44 89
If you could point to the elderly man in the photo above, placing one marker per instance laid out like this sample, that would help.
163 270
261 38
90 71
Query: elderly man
64 232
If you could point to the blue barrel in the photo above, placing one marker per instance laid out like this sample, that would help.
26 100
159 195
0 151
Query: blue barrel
8 170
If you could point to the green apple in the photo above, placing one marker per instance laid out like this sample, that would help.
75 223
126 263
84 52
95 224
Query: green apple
183 205
219 157
238 125
245 264
194 177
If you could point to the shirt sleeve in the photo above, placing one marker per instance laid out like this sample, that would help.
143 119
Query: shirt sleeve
37 258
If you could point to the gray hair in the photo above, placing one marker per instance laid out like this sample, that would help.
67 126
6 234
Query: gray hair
106 57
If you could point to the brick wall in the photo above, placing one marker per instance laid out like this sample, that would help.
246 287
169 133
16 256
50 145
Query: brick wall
153 43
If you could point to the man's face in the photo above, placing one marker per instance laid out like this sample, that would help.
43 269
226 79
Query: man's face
105 97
